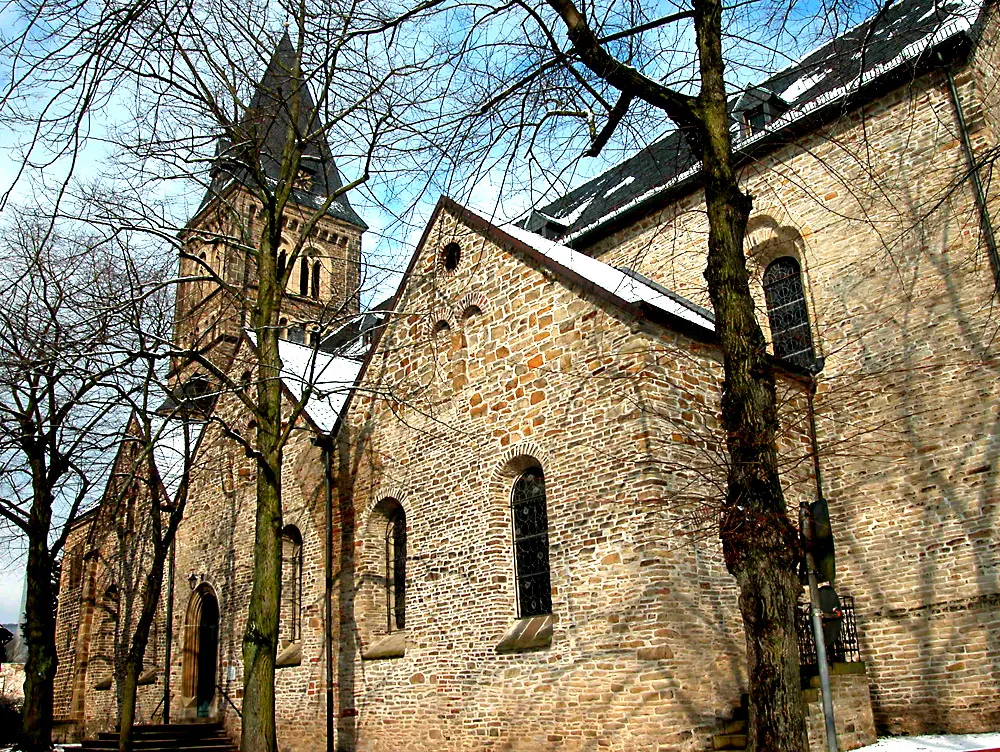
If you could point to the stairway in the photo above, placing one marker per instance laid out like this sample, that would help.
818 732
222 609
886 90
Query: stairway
194 737
734 731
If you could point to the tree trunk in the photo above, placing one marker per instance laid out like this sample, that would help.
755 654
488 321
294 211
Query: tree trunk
137 649
260 640
760 544
40 631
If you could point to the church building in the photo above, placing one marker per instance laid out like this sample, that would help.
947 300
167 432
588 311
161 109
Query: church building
511 470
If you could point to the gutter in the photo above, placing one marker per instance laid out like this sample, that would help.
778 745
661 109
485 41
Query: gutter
952 41
985 223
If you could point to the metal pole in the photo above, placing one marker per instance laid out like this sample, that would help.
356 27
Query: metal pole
824 668
327 447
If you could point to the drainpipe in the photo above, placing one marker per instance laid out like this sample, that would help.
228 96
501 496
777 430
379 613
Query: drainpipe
805 524
325 443
169 637
985 224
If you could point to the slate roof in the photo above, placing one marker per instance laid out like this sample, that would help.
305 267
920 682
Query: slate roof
267 121
880 45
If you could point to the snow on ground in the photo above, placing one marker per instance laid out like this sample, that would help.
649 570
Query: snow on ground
935 743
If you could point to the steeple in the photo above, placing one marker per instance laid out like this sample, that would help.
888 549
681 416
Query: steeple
276 96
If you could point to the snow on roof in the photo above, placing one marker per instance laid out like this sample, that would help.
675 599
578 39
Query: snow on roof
935 743
171 438
881 44
331 378
618 283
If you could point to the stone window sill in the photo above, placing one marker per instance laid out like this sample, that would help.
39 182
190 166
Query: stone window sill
103 684
290 655
391 646
531 633
148 676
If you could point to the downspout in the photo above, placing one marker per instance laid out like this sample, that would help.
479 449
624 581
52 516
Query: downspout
826 689
169 636
985 224
325 443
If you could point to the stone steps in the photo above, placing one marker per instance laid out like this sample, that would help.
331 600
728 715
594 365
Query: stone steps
196 737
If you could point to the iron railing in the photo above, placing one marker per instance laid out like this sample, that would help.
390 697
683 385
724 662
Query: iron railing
843 649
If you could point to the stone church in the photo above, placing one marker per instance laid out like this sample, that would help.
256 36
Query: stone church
510 470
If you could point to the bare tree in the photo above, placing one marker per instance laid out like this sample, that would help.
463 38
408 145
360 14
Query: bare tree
65 360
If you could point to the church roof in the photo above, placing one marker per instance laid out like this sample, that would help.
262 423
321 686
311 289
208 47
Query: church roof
623 286
893 41
268 118
331 378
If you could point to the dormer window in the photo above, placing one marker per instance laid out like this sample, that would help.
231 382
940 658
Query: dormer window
757 109
754 119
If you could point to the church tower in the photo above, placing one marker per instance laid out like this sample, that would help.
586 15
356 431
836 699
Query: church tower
320 249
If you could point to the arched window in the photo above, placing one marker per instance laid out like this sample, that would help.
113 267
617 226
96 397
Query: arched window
531 544
786 311
303 276
282 264
315 280
395 568
291 585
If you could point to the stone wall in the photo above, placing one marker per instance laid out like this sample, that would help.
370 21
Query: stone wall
875 207
646 649
852 709
12 680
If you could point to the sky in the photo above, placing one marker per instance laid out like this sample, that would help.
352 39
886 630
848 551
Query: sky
11 590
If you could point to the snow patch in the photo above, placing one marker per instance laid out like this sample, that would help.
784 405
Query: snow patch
330 377
606 277
801 85
619 186
935 743
570 219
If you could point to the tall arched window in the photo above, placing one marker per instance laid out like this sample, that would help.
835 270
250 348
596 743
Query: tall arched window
531 544
303 276
395 568
291 585
282 263
787 313
315 280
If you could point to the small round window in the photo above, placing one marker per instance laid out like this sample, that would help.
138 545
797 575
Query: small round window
451 254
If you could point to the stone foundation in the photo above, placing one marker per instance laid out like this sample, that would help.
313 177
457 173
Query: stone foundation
852 709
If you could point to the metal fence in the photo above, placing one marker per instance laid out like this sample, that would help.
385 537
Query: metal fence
843 649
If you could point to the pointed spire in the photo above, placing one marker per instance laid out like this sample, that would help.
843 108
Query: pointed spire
268 118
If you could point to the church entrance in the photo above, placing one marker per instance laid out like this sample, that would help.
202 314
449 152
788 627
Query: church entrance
201 653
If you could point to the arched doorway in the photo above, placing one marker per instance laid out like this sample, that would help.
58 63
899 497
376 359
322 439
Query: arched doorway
201 652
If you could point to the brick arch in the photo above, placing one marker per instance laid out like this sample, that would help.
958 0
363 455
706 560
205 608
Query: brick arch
432 319
394 492
470 299
766 241
194 662
515 460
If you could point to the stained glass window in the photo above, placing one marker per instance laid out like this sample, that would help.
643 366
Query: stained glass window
395 569
531 544
786 311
